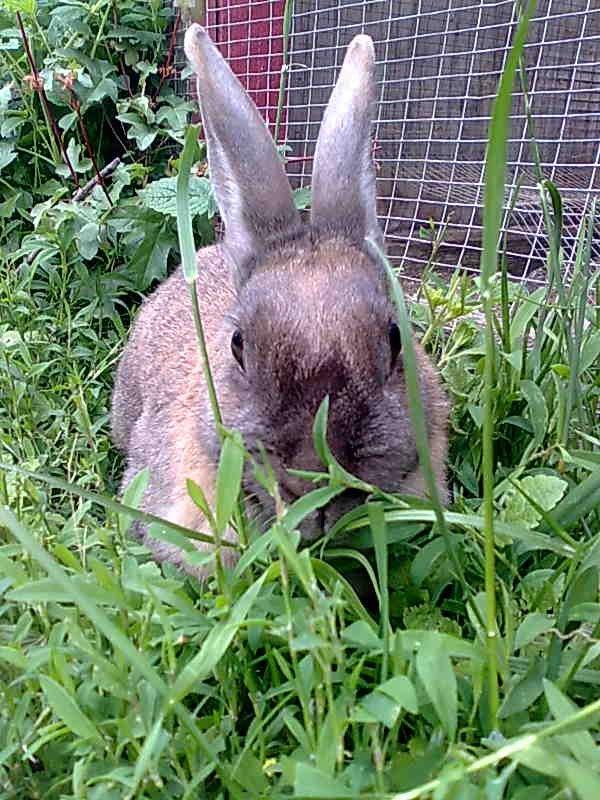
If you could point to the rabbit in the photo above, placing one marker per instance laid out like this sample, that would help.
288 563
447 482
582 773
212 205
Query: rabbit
292 312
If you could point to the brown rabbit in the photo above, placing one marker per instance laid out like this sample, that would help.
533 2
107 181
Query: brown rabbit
292 313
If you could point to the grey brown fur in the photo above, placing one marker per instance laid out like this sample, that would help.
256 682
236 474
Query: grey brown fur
310 302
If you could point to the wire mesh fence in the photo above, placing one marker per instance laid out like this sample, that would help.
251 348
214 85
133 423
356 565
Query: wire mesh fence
439 64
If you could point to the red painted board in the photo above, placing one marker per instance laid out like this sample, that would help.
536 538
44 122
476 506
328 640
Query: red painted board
249 33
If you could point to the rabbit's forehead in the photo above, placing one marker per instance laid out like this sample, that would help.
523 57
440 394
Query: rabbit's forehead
328 284
316 309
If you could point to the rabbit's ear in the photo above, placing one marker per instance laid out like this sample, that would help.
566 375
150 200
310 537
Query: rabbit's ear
343 188
251 188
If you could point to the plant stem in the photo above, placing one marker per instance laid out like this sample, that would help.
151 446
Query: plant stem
76 106
416 410
38 87
495 180
190 265
287 24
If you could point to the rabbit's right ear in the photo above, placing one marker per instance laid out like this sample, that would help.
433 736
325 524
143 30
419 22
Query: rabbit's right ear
253 193
343 186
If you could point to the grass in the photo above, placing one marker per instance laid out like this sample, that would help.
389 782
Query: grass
362 666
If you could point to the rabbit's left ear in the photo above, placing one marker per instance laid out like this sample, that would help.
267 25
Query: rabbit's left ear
343 187
252 191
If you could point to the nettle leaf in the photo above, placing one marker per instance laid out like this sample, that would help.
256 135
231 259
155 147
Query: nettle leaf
545 490
161 196
149 262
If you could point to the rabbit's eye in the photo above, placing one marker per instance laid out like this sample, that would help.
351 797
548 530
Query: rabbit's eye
395 342
237 347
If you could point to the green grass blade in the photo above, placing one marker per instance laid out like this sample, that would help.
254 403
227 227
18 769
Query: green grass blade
104 624
495 180
111 505
378 527
65 707
184 217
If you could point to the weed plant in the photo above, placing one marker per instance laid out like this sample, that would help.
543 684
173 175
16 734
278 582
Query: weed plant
412 653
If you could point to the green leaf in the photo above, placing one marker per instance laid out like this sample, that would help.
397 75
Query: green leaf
525 691
21 6
67 121
216 644
528 308
249 774
65 707
538 412
541 759
425 560
386 702
302 197
132 496
545 490
585 612
229 478
185 231
7 154
580 743
88 240
377 707
585 782
46 590
161 196
581 499
148 758
436 673
308 503
402 690
11 655
149 262
330 737
106 87
360 633
532 626
79 164
312 782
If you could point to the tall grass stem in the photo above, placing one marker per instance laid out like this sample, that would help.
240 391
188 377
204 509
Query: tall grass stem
190 263
495 180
